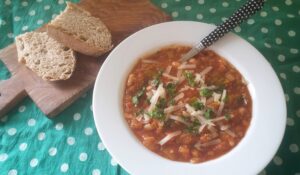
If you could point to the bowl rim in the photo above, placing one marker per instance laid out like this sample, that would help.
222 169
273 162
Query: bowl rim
261 64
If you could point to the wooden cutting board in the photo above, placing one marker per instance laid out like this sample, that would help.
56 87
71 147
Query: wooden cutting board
122 17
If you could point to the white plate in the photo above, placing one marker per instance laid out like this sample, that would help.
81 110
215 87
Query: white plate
250 156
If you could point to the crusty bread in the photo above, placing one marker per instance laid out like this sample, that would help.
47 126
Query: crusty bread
46 57
77 29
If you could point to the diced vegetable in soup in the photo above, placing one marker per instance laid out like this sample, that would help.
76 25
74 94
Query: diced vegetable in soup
190 111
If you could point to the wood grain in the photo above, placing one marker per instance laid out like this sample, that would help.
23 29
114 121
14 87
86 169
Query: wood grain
122 17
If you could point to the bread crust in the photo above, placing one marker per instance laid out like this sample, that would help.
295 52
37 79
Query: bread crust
72 39
74 42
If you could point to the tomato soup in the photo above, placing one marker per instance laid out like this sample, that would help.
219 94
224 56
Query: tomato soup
191 111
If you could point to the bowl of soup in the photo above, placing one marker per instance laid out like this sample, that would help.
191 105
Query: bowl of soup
213 114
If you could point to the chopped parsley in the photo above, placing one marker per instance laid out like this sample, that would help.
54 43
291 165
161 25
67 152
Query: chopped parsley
156 78
220 88
162 103
197 104
208 113
157 113
226 98
194 128
171 88
205 92
227 116
189 76
172 101
137 96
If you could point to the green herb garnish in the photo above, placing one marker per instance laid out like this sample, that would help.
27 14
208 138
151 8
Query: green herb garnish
205 92
227 116
156 78
137 96
171 88
220 88
189 76
172 101
162 103
226 98
157 113
197 104
194 127
208 113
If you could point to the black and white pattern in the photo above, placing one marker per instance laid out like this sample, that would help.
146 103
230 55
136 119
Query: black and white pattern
251 7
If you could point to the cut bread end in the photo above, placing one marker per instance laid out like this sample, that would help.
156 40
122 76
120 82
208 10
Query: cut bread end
77 29
46 57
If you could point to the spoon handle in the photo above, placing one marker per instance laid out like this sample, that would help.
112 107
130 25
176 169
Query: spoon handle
243 13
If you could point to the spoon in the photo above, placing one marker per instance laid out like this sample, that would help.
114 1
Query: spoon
243 13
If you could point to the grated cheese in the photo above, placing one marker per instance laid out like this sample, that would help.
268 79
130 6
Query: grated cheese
218 119
211 143
229 132
205 71
184 88
216 97
179 96
222 104
199 78
170 77
179 119
224 127
179 73
149 61
168 137
160 92
168 70
187 66
203 100
173 108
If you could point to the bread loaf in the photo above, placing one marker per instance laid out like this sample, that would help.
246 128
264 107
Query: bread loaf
45 56
77 29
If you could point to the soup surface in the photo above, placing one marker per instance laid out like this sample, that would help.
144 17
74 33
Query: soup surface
190 111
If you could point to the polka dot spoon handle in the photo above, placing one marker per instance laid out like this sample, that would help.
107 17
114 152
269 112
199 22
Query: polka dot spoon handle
243 13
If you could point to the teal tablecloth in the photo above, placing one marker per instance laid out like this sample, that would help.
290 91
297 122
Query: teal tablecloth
30 143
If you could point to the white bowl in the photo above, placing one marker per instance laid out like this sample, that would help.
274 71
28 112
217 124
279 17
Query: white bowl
250 156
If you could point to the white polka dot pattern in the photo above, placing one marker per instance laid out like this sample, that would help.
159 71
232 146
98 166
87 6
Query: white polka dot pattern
52 151
11 131
59 126
12 172
41 136
88 131
277 160
83 157
113 162
23 146
294 148
96 172
101 146
71 140
3 157
64 167
34 162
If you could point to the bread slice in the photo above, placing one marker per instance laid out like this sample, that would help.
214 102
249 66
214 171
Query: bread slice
77 29
45 56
